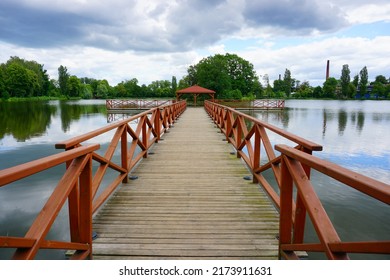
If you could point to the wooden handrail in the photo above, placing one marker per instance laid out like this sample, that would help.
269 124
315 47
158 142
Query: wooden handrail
293 162
293 166
21 171
151 124
247 134
79 185
80 170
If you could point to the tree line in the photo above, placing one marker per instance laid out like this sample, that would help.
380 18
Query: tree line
231 76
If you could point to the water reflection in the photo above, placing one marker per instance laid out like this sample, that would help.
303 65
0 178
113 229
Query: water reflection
24 120
354 134
71 111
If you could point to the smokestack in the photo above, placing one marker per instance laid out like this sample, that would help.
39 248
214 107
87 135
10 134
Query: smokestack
327 70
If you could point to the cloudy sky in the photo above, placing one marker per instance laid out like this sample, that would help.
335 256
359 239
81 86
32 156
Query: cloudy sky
152 40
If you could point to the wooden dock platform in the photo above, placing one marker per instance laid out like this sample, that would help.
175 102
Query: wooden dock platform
190 201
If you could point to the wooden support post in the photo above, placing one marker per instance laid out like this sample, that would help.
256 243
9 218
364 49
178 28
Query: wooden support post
124 155
86 205
286 206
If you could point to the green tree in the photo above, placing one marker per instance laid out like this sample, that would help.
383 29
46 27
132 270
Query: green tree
288 82
74 87
317 92
345 81
329 88
63 79
279 85
381 79
355 81
39 78
363 81
103 89
223 73
378 89
18 81
174 85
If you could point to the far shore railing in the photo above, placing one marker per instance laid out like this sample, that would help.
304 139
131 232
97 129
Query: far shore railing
123 104
257 104
79 186
293 166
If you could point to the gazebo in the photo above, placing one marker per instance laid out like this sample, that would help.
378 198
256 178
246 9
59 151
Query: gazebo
196 91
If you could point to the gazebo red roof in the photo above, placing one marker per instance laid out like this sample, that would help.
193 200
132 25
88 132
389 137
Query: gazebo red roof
195 89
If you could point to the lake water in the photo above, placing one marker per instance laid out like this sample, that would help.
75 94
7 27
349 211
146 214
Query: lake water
354 134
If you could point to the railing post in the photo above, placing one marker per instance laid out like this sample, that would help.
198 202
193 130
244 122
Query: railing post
124 153
145 139
239 139
286 206
256 153
86 206
157 123
300 209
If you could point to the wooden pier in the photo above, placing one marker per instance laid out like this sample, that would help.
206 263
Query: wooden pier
190 201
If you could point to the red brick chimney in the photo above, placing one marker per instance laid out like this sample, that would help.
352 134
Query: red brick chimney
327 70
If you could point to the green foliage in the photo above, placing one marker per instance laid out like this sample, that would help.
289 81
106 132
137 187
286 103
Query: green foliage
225 74
63 78
363 80
329 88
288 82
345 81
229 75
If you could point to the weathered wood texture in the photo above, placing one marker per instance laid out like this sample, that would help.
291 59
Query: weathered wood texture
190 201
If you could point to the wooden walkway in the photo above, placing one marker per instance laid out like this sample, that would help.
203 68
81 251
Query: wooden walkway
190 201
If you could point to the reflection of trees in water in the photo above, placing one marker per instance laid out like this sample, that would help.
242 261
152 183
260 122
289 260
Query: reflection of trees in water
357 119
342 120
72 111
24 120
273 116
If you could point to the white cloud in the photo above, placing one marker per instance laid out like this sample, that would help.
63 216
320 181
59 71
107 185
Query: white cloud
151 40
369 13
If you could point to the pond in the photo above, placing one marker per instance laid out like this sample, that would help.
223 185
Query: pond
354 134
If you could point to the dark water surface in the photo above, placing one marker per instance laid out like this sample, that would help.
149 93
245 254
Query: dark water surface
354 134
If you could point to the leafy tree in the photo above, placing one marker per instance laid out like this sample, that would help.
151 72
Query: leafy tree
18 81
317 92
304 90
63 79
381 79
39 78
174 85
161 88
223 73
363 80
103 89
378 89
355 81
345 81
74 87
279 85
329 88
288 82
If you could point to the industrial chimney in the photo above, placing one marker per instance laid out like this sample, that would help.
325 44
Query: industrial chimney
327 70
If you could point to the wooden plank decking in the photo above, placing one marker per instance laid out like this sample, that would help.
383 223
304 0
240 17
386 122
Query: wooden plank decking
190 201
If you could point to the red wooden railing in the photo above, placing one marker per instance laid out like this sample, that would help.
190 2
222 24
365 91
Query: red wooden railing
117 104
80 184
77 178
266 104
293 166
